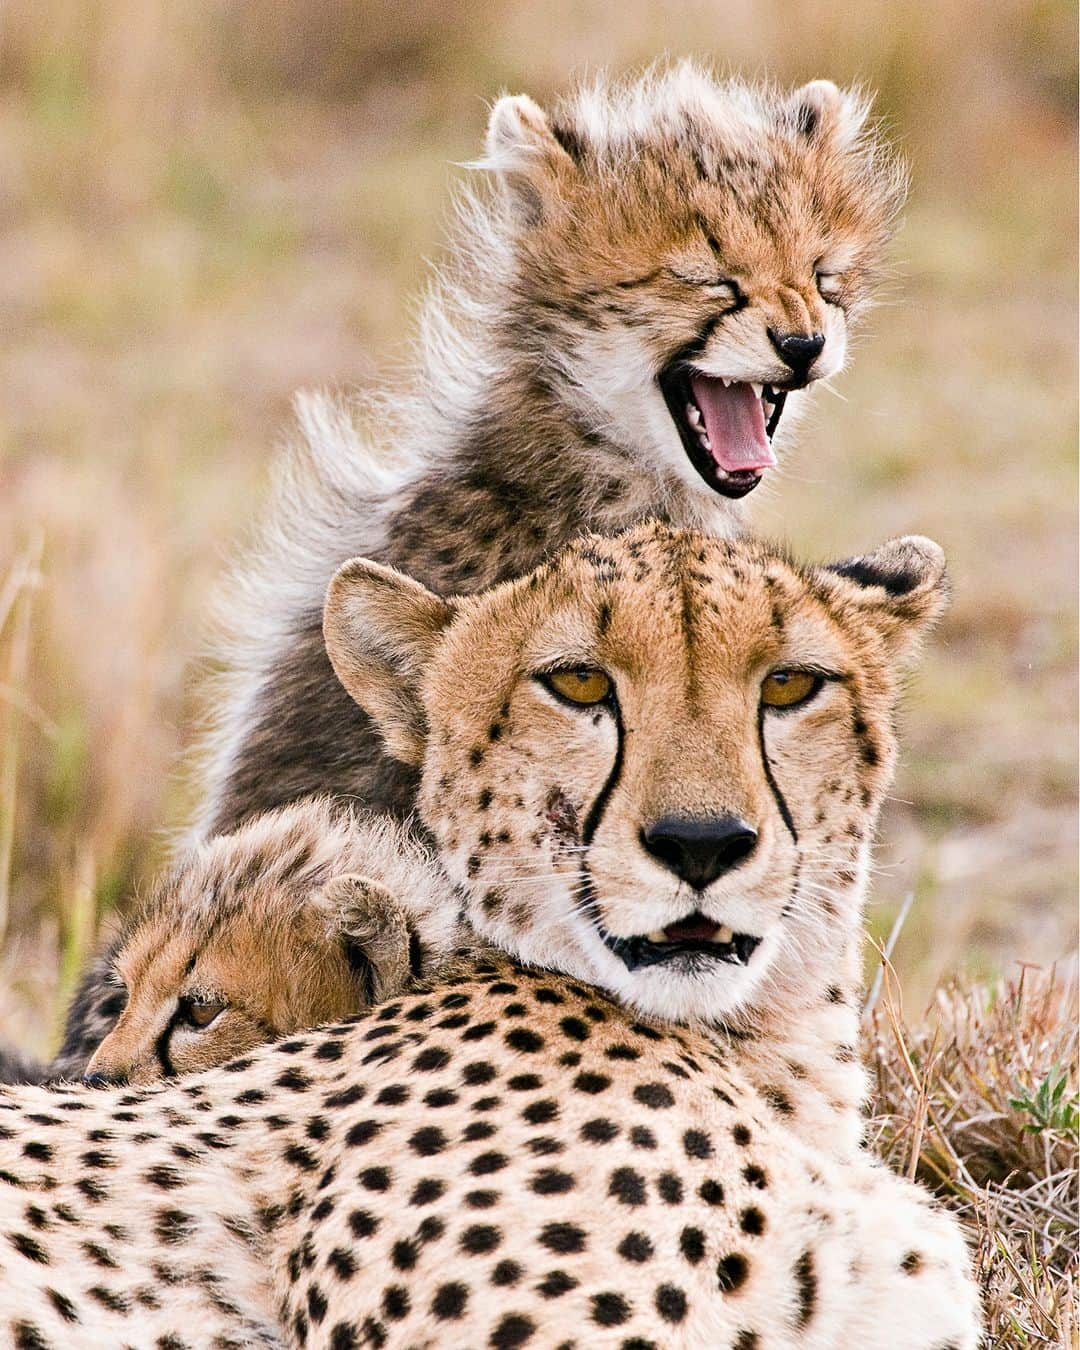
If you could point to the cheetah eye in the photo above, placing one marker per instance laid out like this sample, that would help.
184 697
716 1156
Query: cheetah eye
199 1012
583 685
789 688
725 289
829 284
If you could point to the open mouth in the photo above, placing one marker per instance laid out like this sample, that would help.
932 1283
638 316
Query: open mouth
726 426
694 942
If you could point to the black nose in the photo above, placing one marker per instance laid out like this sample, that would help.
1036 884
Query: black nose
95 1080
698 849
797 349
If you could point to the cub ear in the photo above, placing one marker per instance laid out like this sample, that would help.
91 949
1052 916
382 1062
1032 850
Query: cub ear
378 943
526 155
823 113
902 588
381 628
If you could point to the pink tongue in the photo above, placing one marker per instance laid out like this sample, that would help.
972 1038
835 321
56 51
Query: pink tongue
736 424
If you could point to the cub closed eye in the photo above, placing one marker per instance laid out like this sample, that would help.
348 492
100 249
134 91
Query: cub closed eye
789 688
584 685
830 284
199 1013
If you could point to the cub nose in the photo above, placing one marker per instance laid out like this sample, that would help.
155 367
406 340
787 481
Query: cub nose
798 349
698 849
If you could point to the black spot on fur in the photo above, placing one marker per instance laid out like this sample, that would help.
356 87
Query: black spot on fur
449 1301
635 1247
506 1274
627 1186
29 1247
806 1280
692 1245
563 1238
556 1283
610 1309
515 1329
731 1272
655 1095
670 1303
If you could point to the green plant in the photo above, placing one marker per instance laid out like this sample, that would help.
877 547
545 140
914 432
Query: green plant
1053 1107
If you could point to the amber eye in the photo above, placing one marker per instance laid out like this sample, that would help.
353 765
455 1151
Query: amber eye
787 688
199 1013
584 685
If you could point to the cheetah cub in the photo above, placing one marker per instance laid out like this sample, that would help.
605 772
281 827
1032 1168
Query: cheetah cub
639 290
290 922
655 763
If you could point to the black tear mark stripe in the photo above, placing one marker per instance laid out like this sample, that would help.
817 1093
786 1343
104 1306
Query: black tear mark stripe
778 796
596 811
161 1046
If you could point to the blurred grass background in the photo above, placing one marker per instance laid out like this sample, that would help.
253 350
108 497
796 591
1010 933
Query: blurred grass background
205 206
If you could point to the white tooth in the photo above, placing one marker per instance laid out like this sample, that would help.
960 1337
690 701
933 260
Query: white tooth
657 936
756 388
723 934
705 441
692 415
726 383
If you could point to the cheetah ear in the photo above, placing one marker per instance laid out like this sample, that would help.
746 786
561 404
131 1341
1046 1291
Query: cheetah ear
902 588
526 155
822 113
381 628
379 946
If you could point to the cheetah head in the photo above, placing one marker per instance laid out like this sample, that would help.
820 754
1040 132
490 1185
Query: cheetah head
254 935
656 762
688 253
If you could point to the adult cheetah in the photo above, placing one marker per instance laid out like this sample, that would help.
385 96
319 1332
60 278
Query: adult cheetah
512 1157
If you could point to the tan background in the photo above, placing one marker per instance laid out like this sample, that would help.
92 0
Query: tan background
204 206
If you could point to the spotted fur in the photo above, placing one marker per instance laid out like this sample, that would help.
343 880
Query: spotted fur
511 1157
510 1160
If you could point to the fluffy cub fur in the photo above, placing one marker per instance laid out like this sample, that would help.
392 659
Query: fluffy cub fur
644 245
291 921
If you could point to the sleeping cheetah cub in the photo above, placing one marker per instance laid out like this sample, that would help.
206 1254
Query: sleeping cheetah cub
289 922
656 763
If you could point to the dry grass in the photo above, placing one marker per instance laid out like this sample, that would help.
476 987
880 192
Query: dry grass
207 205
980 1101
